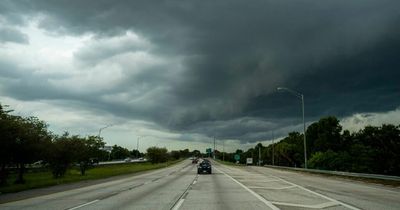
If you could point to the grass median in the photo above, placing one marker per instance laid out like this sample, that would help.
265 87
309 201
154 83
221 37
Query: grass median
44 179
228 163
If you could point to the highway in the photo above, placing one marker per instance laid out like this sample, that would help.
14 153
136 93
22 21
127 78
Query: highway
228 187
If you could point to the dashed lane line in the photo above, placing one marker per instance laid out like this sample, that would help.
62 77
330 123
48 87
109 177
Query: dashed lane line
318 194
182 198
310 191
262 199
272 188
85 204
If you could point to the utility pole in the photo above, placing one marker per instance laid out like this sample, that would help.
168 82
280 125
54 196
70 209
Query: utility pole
259 155
223 150
137 147
273 149
214 148
300 96
304 133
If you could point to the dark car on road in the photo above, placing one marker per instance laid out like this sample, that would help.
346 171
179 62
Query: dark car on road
195 161
204 167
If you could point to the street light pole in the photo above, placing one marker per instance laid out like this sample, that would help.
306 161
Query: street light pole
273 149
103 129
98 135
223 150
304 134
259 155
301 96
137 145
214 148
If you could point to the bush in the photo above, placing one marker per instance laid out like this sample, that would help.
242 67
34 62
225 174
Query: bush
157 155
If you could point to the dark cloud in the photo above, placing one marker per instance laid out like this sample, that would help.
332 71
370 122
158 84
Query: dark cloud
13 35
340 54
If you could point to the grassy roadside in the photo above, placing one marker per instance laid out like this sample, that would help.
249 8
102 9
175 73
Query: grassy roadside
391 183
45 179
228 163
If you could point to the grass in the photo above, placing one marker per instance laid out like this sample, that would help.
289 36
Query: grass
44 179
228 163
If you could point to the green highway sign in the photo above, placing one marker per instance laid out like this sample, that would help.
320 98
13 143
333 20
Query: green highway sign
208 150
237 157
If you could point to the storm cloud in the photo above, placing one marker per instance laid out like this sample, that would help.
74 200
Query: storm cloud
212 68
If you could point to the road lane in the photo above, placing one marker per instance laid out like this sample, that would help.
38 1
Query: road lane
217 191
229 187
157 194
80 196
356 193
293 190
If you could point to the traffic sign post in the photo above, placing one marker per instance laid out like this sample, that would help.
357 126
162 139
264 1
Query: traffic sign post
237 158
208 151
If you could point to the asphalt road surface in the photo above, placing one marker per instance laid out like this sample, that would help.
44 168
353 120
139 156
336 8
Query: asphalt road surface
179 187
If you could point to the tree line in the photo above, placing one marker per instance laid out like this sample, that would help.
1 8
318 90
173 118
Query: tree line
26 140
373 149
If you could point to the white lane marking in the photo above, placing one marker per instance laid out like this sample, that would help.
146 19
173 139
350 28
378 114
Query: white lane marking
179 204
272 188
85 204
183 196
268 203
318 194
317 206
255 180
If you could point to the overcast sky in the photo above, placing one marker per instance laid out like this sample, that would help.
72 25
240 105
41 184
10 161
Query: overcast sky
179 73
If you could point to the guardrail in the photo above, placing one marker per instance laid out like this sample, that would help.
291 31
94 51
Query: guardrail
340 173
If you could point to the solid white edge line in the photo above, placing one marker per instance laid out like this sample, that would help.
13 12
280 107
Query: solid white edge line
317 206
179 204
272 188
85 204
269 204
315 193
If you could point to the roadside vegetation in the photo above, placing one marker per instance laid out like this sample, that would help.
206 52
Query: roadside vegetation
374 149
31 156
45 178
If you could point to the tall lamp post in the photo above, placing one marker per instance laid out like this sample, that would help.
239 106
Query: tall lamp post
98 135
301 96
137 144
103 129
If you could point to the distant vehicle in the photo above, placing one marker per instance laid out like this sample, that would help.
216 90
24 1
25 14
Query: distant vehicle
93 161
141 158
204 167
128 160
206 160
38 163
195 161
249 161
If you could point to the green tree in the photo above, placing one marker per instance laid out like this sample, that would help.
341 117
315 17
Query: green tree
175 154
8 133
324 135
119 152
62 154
136 153
90 149
32 139
157 155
